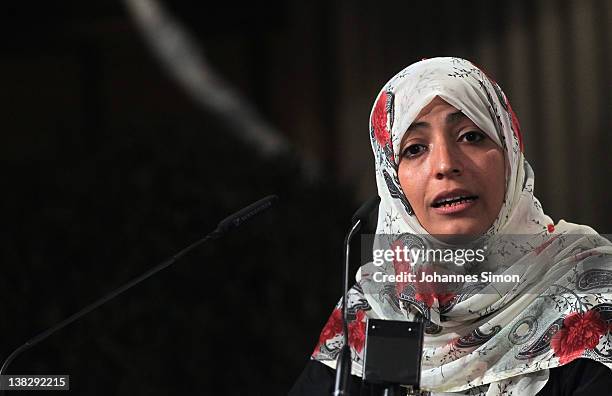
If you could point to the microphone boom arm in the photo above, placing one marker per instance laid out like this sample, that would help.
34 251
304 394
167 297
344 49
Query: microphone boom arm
230 222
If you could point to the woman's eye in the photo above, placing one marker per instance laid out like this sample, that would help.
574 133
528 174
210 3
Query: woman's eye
472 136
413 150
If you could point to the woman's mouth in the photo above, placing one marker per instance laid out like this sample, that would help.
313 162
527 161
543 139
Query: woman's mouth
454 204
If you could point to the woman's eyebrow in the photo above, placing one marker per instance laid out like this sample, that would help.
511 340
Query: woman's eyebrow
415 125
450 119
454 117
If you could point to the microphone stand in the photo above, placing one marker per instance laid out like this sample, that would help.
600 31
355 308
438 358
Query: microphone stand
227 224
343 365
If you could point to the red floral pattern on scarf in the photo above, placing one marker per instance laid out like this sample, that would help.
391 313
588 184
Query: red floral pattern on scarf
444 299
357 330
427 292
379 121
429 298
425 298
400 267
331 328
579 333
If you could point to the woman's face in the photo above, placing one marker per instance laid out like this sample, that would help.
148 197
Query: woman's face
452 173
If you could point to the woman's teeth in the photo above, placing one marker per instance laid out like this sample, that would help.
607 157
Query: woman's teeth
447 202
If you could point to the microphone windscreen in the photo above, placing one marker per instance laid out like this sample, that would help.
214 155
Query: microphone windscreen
365 209
244 214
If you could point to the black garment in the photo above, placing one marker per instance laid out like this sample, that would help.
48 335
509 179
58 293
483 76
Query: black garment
582 377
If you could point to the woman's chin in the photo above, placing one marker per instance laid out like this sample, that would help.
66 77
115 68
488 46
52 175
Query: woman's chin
460 229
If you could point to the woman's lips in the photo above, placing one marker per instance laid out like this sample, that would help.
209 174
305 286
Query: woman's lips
455 207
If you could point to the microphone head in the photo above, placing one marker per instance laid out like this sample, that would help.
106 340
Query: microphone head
244 214
365 209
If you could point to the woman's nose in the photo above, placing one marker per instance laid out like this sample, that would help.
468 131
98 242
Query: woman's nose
446 161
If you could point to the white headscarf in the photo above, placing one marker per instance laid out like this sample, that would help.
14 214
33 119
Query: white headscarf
477 341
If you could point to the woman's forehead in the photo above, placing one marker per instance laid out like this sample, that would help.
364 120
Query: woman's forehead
437 104
437 108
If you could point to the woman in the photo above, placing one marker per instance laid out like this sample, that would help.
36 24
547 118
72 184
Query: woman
449 162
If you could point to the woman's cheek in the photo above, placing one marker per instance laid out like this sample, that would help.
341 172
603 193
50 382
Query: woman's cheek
413 185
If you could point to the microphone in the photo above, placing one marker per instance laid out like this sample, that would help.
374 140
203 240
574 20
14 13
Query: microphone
365 209
231 222
235 220
343 365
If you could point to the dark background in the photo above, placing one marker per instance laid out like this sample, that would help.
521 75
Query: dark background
109 167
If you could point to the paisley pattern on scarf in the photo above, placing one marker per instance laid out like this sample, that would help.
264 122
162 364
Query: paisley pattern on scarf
478 342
